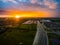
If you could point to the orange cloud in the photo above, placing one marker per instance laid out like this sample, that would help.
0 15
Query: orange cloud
27 13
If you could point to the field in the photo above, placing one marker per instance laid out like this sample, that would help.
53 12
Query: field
24 35
21 35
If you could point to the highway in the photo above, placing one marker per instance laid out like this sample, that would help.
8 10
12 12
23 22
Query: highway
52 25
41 37
58 33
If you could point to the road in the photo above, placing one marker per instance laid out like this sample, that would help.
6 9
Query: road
58 33
52 25
41 37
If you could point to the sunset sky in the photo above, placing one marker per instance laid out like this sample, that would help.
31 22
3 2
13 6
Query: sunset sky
38 8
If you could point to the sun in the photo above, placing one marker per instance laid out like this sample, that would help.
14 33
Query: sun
17 16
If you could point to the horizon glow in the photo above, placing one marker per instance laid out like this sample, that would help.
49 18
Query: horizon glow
30 8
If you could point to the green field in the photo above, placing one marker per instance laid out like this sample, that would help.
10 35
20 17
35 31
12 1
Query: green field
22 34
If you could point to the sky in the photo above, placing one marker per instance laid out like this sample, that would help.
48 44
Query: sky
52 6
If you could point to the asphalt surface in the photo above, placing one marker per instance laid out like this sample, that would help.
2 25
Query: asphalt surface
41 37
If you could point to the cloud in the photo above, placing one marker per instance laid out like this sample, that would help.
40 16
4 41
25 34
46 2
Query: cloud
20 0
35 5
50 4
33 1
13 1
9 1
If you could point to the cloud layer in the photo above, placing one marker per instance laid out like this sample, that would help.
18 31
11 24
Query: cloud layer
52 4
49 6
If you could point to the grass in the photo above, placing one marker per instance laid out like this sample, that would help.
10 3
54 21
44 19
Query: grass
53 36
15 36
22 35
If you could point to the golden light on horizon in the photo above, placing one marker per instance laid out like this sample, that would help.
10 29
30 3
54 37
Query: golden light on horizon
30 14
17 16
35 14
